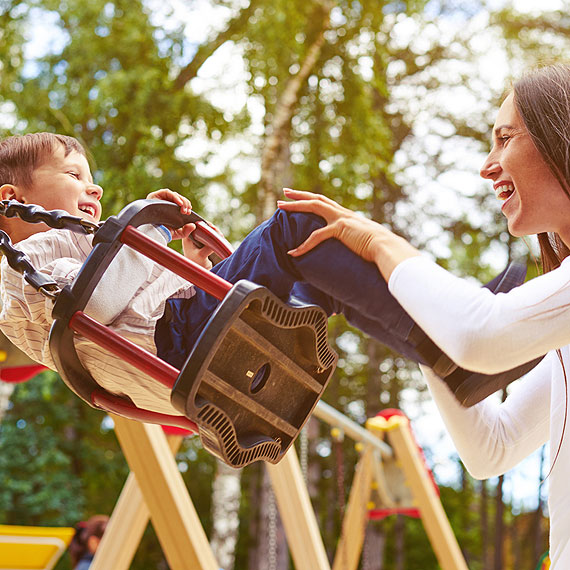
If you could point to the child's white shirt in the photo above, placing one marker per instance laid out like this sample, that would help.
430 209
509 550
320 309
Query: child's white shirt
130 298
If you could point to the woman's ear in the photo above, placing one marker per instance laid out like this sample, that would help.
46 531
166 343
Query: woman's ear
8 192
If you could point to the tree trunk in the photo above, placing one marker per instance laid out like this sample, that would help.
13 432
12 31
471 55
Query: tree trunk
5 394
400 543
465 507
499 519
536 522
484 516
499 526
314 471
272 164
375 537
226 492
234 26
373 550
376 354
516 540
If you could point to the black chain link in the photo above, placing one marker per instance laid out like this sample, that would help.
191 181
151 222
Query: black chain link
18 260
58 219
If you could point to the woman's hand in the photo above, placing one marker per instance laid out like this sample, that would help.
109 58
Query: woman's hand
368 239
197 254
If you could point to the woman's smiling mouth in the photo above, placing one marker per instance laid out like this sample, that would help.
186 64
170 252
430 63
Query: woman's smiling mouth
504 190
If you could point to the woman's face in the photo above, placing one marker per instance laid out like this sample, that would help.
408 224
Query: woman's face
533 200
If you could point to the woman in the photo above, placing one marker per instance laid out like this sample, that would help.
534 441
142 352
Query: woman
529 166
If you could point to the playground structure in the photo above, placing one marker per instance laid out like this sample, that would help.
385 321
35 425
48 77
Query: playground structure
155 488
391 470
32 548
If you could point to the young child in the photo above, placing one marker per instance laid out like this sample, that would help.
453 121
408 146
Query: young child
148 304
84 544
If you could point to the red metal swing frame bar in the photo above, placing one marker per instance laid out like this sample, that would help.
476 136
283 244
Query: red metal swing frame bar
137 356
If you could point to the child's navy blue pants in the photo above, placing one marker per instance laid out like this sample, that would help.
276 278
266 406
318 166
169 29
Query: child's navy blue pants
330 275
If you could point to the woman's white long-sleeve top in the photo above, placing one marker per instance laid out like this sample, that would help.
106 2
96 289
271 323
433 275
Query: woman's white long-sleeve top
489 333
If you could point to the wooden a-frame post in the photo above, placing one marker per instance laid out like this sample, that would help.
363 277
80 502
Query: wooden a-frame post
426 499
155 488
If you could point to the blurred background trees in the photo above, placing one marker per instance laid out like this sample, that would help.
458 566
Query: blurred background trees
384 105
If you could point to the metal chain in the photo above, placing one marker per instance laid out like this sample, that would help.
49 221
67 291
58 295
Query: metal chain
21 263
18 260
58 219
304 453
271 531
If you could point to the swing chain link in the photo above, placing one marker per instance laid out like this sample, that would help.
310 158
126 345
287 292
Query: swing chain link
21 263
18 260
58 219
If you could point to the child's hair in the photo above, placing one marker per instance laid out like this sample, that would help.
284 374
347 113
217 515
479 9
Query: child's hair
94 526
20 155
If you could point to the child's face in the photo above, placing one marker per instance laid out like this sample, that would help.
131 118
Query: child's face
64 183
60 183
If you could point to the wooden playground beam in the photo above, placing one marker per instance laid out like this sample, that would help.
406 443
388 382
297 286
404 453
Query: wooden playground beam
303 535
131 515
127 524
173 515
433 516
326 413
155 488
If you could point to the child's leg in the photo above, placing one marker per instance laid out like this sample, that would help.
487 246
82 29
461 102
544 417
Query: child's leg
340 282
396 337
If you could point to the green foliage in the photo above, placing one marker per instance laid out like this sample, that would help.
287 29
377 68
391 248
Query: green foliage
59 460
537 39
112 86
123 85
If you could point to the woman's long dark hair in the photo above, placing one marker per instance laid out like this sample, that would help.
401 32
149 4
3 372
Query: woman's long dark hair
542 99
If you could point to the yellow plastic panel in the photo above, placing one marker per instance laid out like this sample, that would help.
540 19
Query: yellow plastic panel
32 548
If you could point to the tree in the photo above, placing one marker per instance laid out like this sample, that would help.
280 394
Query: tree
114 86
343 98
59 459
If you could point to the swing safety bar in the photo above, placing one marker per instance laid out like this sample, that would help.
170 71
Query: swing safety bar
128 351
101 335
255 373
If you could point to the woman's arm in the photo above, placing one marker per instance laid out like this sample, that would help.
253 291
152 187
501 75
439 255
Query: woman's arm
479 331
491 437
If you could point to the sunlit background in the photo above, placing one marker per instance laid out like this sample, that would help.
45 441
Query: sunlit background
392 117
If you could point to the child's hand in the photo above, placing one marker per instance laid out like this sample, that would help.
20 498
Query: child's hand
174 197
190 249
197 254
185 208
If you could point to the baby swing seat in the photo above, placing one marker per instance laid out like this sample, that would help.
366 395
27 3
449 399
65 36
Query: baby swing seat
253 377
